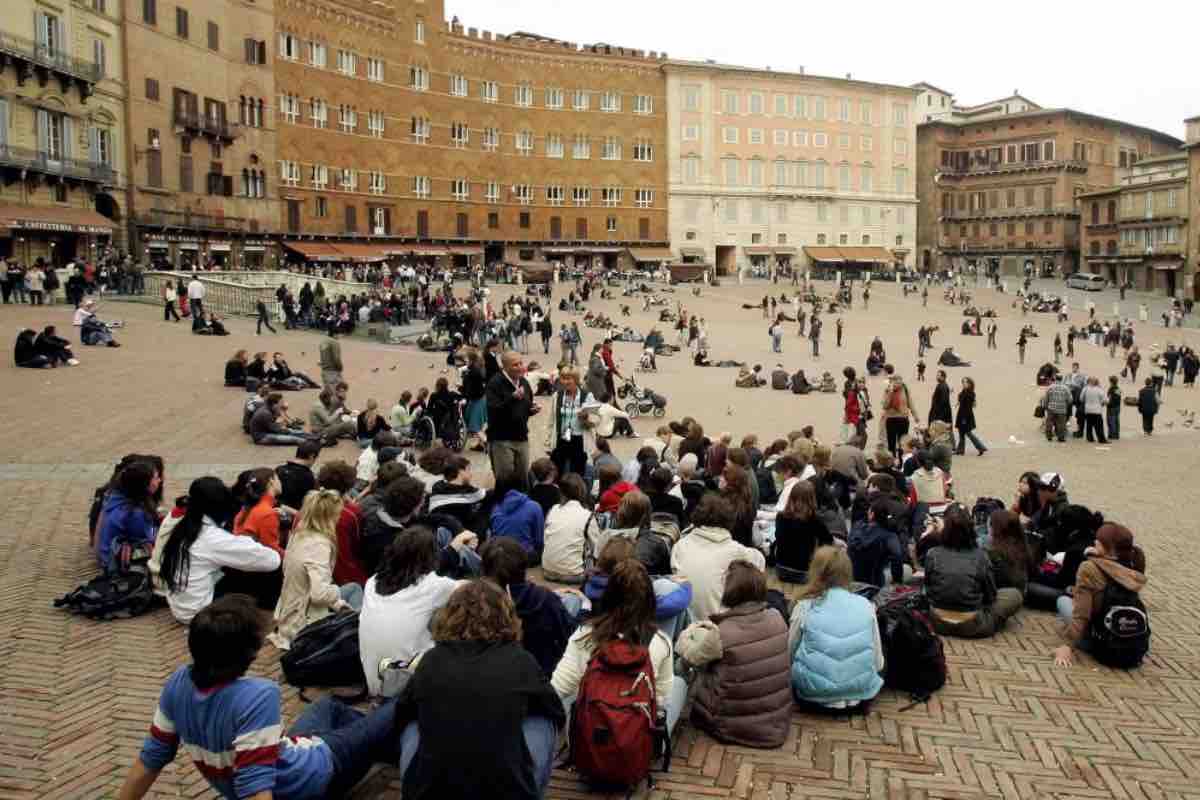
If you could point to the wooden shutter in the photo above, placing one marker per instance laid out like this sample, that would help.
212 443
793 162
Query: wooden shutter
351 218
643 227
43 130
422 224
387 221
187 182
262 52
68 134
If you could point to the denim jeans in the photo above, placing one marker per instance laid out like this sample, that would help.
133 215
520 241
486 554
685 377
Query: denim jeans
1114 422
355 740
541 740
352 593
963 436
281 439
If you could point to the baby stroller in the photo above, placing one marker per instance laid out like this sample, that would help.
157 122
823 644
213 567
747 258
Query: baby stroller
448 424
646 363
641 401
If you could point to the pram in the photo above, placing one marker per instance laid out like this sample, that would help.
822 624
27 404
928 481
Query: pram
647 363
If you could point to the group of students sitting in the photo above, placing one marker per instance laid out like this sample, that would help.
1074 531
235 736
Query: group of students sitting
665 561
43 350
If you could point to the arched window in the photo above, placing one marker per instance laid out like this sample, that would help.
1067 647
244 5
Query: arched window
242 110
262 184
1095 213
246 190
1112 211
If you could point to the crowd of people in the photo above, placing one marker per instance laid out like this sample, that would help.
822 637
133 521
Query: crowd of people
507 603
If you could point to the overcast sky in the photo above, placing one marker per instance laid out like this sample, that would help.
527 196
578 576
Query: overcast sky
1136 66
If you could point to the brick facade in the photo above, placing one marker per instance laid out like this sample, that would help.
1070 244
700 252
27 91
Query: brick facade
412 121
1000 194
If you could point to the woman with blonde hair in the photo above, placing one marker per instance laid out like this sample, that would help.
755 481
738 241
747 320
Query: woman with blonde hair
477 718
371 422
309 593
836 651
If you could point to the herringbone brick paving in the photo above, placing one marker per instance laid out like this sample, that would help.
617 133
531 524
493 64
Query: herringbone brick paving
76 696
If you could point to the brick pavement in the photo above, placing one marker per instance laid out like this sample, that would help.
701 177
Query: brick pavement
77 695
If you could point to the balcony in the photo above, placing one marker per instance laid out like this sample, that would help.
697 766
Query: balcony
29 57
997 214
202 125
67 168
996 168
1158 249
163 218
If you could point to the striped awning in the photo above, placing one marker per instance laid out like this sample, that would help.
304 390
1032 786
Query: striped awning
651 253
824 253
315 251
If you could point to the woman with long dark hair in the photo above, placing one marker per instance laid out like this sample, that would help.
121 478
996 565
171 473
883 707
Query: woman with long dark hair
735 487
1026 502
961 584
629 614
257 519
1009 551
198 551
400 600
798 533
964 419
129 517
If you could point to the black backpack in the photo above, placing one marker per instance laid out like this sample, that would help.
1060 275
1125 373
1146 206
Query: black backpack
1120 628
121 595
981 513
767 493
325 653
915 661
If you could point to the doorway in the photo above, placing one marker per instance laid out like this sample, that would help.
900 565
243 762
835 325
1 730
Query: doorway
726 258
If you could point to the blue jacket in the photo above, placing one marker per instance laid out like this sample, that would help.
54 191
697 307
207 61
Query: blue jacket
834 660
121 522
872 548
670 598
545 624
518 517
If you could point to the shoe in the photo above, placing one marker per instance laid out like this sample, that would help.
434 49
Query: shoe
113 344
981 452
74 362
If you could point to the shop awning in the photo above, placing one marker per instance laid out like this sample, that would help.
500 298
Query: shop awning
365 253
876 254
757 250
560 251
823 253
1167 266
604 249
651 253
416 250
465 250
53 219
692 252
315 251
784 251
220 247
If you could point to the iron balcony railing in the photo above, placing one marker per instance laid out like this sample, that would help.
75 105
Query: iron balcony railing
51 57
41 161
985 167
204 124
187 219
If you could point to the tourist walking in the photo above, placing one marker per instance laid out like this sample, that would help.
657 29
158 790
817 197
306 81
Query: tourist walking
939 405
991 340
169 302
1022 341
964 419
814 334
840 325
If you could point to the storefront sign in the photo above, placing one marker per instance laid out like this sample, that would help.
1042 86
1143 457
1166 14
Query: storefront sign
54 227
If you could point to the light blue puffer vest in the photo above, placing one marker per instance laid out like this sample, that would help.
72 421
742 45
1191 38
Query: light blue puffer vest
835 659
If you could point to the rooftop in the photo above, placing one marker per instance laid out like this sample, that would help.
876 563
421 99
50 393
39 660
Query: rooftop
1042 112
715 66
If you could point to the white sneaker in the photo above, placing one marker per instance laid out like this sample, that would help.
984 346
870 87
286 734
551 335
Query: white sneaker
74 362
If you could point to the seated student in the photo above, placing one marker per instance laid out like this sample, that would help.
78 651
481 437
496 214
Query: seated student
92 331
279 373
253 403
544 492
212 708
629 615
236 369
201 325
478 719
632 521
518 517
798 533
672 595
743 692
57 349
750 378
368 460
329 418
834 642
874 546
370 423
456 496
662 501
258 519
400 599
610 488
703 556
25 352
780 379
927 484
547 618
338 476
800 384
1008 550
309 593
266 428
949 358
564 540
128 517
960 583
431 465
257 368
197 551
402 417
1113 560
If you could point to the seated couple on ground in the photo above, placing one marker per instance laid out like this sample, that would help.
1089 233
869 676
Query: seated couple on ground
43 350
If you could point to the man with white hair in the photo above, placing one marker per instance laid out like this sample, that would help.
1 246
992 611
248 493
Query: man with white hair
510 405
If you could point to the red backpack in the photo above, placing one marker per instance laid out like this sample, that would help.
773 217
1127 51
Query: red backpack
614 723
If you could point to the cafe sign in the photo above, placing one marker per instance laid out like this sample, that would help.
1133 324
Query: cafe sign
56 227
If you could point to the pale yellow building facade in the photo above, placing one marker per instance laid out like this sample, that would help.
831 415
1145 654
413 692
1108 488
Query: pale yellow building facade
62 135
767 168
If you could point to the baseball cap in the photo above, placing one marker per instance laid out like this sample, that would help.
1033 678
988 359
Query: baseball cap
1052 480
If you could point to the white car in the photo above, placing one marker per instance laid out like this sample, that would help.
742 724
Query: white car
1087 281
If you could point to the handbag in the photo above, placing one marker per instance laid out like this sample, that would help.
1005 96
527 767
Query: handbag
1039 411
394 677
